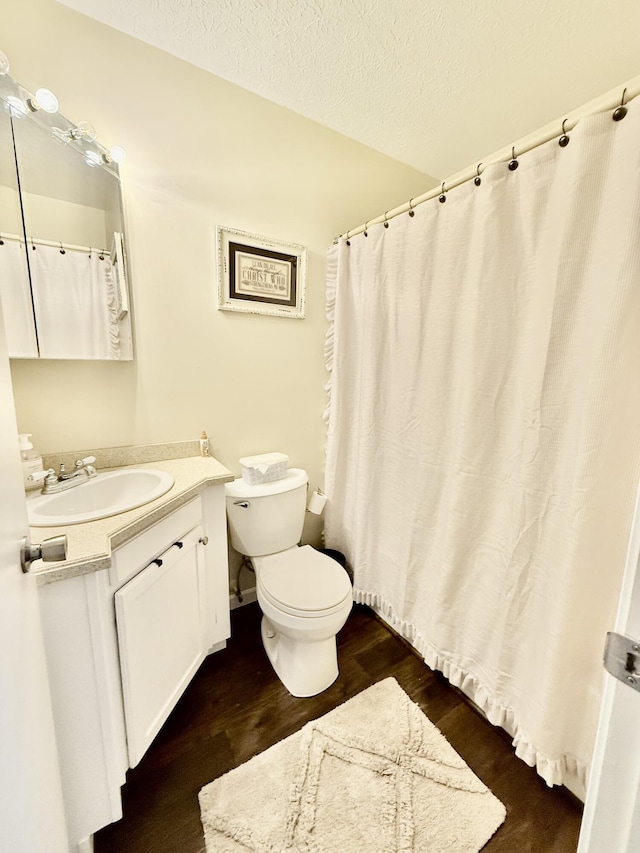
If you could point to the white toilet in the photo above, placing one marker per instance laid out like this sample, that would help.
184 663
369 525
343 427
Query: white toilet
304 595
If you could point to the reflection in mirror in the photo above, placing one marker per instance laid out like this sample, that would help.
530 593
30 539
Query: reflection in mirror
14 274
63 284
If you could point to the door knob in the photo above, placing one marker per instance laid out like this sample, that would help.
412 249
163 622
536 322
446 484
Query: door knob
52 550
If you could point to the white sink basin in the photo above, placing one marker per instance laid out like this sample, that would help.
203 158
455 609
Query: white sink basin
106 494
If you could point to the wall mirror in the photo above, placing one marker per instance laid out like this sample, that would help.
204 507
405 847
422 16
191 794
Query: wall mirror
63 274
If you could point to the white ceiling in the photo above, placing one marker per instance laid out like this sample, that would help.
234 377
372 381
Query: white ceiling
437 84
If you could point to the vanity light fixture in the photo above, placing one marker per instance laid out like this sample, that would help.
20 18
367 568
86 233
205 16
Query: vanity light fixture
44 100
83 130
96 155
117 153
19 102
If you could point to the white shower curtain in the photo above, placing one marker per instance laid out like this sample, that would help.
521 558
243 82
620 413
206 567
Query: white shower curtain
15 296
76 303
484 428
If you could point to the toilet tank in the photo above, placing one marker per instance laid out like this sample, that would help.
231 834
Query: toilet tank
267 518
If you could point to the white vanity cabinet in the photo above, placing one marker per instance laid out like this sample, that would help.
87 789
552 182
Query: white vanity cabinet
161 622
122 645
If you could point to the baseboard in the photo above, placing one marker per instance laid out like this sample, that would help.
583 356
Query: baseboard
248 597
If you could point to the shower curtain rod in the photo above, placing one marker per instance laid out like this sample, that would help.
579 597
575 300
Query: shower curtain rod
617 97
16 238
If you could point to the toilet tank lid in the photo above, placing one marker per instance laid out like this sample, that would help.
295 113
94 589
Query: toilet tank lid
295 478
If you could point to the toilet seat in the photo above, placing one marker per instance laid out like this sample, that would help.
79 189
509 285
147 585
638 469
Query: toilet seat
303 582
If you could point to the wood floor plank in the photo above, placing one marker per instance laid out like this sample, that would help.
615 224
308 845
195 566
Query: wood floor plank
236 708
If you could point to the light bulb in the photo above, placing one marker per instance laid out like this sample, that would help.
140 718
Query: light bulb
117 153
87 130
46 100
16 107
92 158
4 63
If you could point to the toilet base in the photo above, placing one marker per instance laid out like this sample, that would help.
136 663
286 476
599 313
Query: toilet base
305 667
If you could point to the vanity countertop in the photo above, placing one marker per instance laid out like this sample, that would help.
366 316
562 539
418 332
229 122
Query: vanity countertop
90 544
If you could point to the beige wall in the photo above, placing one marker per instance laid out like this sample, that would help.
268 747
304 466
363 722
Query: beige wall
10 207
201 152
53 219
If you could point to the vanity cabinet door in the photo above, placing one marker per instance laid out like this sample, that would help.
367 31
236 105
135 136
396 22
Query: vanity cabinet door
162 637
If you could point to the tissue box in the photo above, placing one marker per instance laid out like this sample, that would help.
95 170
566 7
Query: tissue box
264 468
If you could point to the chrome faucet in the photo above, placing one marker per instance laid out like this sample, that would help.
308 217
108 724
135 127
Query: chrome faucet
53 482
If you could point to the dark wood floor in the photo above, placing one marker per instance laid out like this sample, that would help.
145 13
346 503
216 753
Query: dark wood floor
235 708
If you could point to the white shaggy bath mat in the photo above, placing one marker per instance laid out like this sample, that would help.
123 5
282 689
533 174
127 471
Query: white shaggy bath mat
372 775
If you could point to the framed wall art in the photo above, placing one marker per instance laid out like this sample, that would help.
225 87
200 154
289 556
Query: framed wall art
259 275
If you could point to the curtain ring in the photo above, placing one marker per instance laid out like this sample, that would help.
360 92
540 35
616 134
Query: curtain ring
62 251
365 229
477 180
411 210
385 223
101 255
1 240
33 245
621 111
443 196
513 163
347 240
564 139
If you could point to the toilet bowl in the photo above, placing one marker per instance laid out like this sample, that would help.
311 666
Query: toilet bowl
305 596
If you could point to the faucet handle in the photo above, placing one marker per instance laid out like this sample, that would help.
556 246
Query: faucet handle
36 476
88 460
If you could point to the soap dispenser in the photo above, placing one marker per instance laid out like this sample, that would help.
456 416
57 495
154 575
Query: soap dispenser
31 460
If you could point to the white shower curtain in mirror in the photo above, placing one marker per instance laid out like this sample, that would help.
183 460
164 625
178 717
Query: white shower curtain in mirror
75 303
15 296
484 428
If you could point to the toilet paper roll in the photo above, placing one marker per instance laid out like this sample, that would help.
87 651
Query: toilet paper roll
317 503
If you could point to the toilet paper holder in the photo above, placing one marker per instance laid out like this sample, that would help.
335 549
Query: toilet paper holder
317 502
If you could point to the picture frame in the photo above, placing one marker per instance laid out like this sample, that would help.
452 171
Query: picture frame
260 275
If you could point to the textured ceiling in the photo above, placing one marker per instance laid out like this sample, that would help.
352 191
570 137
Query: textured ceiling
436 84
